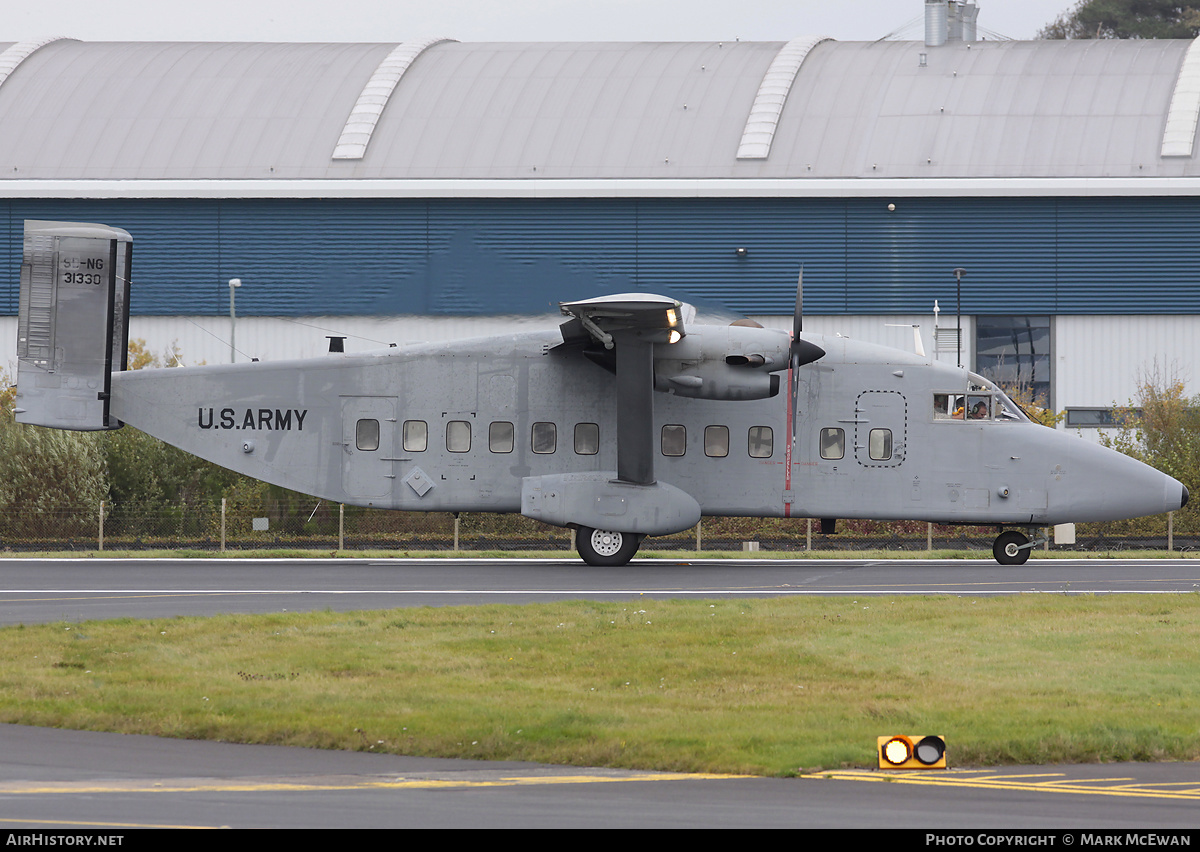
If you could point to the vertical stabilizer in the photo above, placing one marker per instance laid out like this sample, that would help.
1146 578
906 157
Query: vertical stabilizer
73 323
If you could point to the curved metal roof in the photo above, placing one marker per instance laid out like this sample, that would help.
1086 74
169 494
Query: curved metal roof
85 111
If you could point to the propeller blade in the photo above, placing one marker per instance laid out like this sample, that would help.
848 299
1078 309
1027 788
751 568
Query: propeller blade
798 315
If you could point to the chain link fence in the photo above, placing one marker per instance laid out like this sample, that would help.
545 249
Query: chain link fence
220 526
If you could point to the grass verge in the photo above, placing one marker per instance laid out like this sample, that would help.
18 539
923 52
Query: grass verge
769 687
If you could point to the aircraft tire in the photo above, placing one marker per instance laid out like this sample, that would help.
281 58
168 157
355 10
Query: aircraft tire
606 547
1007 548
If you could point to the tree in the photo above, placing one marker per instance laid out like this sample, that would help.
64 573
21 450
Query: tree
1125 19
1162 428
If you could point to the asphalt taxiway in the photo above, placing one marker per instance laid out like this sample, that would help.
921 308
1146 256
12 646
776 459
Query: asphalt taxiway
63 780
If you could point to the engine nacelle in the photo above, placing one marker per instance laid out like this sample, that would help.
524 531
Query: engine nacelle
723 362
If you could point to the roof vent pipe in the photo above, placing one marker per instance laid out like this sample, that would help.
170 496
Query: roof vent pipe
935 22
969 13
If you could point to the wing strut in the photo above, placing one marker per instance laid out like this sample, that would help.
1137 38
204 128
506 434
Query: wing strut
635 410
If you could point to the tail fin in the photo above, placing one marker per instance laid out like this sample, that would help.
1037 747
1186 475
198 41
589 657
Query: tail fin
72 324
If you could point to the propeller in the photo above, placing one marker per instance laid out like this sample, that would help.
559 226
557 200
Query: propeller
801 352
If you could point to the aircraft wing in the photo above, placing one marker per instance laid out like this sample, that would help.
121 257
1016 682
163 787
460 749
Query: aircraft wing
655 319
630 324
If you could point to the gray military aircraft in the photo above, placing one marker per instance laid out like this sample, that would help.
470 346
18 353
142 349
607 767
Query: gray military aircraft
631 420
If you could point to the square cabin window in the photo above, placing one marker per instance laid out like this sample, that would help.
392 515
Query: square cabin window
716 441
674 440
366 435
458 436
416 436
587 439
880 444
833 444
544 438
501 437
760 442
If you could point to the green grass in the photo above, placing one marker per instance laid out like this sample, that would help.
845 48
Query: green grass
770 686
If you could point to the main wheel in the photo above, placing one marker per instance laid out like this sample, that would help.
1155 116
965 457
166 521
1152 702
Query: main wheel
1008 550
606 547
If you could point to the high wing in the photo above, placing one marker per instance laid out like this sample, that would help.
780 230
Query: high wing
630 324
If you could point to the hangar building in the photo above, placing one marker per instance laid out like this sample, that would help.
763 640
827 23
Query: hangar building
430 189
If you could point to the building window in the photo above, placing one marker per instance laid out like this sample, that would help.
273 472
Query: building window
1097 418
1014 352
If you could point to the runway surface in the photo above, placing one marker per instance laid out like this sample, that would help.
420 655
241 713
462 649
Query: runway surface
65 780
36 591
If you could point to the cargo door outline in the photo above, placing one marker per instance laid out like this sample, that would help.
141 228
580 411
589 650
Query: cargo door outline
368 457
880 409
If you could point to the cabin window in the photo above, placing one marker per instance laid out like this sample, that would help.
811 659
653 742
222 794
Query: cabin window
366 435
458 436
760 442
674 440
587 439
416 436
879 444
833 444
501 437
544 438
716 441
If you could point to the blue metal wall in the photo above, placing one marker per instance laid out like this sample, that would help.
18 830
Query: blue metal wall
464 256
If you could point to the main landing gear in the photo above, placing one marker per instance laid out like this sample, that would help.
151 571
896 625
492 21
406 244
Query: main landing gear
606 547
1013 548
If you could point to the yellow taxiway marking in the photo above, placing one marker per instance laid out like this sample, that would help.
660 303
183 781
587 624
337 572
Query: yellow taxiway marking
241 785
1054 782
69 823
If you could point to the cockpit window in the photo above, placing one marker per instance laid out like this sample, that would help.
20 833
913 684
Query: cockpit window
983 401
979 407
948 406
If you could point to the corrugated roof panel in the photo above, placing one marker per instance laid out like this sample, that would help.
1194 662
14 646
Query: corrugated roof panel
193 111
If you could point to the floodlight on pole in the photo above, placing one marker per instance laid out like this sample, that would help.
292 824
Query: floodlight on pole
959 272
234 283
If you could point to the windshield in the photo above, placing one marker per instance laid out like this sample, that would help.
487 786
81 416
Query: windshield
1005 408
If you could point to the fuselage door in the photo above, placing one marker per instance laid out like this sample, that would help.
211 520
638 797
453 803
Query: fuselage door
880 428
368 445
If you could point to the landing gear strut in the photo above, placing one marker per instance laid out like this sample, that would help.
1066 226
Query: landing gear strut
606 547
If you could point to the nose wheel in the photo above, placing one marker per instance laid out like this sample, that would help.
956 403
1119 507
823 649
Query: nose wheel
606 547
1011 548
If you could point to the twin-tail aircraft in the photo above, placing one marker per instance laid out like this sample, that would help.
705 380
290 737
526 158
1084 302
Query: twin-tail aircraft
630 420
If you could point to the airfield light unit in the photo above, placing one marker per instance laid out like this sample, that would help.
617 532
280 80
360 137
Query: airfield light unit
912 752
